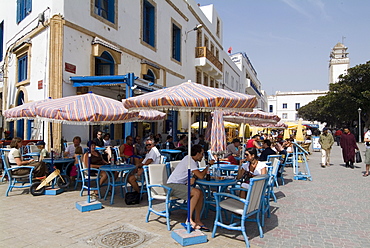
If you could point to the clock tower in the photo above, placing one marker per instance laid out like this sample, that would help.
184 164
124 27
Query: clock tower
339 62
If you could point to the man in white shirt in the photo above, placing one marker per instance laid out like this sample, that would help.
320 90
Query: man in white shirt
367 153
178 183
70 150
153 156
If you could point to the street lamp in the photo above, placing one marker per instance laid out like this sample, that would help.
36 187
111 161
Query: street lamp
359 124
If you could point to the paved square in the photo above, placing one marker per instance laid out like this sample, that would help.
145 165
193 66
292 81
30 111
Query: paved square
331 211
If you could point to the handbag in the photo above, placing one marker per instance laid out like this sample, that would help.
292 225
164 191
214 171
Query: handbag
358 157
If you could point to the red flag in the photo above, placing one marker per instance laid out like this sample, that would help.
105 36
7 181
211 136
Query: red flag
230 49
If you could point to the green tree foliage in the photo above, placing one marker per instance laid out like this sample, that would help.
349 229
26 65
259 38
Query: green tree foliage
339 107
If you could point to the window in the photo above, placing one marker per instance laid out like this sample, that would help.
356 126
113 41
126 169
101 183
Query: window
199 38
205 80
205 41
271 108
149 23
218 28
285 105
1 40
176 42
22 68
285 116
150 76
24 8
105 9
104 65
297 106
199 77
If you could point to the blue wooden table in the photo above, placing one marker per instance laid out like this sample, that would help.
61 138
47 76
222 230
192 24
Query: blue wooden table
61 163
172 153
121 180
208 187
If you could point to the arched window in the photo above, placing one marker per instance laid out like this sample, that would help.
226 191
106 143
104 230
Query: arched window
150 76
20 123
104 65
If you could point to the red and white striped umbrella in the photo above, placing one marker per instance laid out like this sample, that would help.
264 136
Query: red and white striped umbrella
254 118
24 111
91 109
218 135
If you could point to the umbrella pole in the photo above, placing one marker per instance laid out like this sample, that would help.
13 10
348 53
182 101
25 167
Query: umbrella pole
51 144
88 168
189 156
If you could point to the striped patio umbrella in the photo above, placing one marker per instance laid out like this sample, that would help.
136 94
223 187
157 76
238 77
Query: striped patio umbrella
218 136
207 133
91 109
253 118
190 97
24 111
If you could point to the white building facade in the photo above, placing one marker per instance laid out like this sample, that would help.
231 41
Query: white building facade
249 80
286 104
164 43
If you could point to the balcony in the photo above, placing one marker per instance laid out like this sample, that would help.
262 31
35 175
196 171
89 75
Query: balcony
208 62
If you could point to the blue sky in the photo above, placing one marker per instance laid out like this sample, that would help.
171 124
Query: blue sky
289 41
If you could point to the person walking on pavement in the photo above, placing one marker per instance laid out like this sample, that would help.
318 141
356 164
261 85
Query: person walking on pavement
337 135
367 153
348 145
326 141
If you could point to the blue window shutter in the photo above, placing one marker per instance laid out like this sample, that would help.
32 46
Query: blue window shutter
1 40
178 44
28 7
111 11
19 11
152 26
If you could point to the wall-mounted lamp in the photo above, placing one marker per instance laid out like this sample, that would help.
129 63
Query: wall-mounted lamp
198 26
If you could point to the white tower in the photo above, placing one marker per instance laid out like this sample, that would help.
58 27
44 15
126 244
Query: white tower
339 62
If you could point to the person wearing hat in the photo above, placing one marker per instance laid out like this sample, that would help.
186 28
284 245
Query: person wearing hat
326 141
43 152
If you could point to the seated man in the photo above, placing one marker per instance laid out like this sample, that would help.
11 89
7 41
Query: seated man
169 143
178 183
127 151
152 157
70 150
267 150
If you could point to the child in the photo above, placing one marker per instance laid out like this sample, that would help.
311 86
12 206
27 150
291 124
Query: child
43 152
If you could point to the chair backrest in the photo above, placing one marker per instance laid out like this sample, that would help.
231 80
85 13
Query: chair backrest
173 164
275 166
4 158
163 159
256 191
156 174
33 148
271 157
116 152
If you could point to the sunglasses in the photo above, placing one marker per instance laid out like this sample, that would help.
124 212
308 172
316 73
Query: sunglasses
247 154
148 144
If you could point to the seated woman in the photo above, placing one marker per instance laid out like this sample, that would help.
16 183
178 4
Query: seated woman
15 159
96 161
250 167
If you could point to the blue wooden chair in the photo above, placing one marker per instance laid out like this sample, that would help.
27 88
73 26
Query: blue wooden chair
242 209
156 176
286 161
94 180
270 159
16 181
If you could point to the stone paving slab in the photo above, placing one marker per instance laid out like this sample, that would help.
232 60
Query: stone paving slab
333 210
